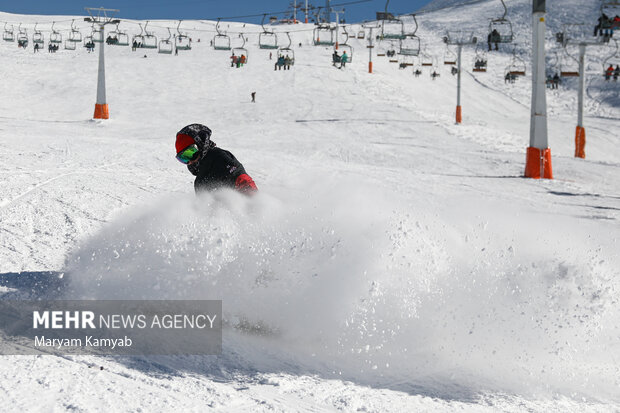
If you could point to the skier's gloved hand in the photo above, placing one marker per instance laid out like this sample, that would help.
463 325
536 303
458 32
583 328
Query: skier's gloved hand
245 184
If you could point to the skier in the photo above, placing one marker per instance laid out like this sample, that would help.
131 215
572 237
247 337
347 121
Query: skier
344 59
609 72
213 167
616 73
556 81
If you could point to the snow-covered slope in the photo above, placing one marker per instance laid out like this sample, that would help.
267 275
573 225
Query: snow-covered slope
400 260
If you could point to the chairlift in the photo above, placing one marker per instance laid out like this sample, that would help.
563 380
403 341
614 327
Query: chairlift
118 37
138 39
345 47
410 45
406 61
267 39
37 37
241 50
607 23
480 60
517 66
323 35
612 59
96 34
220 41
8 35
361 34
69 45
426 60
287 51
500 29
569 65
391 27
22 37
165 45
150 40
55 37
182 41
75 35
449 57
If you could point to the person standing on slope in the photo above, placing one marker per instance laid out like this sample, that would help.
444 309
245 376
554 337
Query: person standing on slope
213 167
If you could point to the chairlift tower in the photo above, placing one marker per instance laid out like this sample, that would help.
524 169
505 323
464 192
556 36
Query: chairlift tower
459 39
538 156
565 39
99 16
337 13
370 44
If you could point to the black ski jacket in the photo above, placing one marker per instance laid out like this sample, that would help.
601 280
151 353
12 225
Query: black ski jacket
219 168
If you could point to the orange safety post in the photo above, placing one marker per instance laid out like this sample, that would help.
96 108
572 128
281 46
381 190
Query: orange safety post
580 142
538 163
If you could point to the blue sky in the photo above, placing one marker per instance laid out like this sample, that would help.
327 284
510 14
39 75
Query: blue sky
200 9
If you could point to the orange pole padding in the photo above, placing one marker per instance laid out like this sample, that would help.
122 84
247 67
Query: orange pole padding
369 67
336 45
538 163
459 115
101 111
580 142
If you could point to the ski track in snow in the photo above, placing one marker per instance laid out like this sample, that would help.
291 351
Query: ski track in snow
402 261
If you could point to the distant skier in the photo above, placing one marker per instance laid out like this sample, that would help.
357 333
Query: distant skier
213 167
253 94
609 72
616 73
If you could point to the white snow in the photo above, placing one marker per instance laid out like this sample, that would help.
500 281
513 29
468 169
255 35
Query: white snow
401 261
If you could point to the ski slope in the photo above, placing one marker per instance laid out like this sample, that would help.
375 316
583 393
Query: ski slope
400 261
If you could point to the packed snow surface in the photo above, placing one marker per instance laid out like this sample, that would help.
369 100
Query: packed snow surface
394 261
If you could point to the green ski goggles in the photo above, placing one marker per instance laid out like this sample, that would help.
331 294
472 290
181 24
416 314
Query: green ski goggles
188 154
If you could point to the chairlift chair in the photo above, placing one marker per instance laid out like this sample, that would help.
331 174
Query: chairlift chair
449 57
122 38
410 46
96 34
22 37
613 59
287 51
165 45
69 45
182 41
150 40
323 35
346 47
517 66
55 37
503 27
361 34
241 50
392 28
426 60
37 37
8 35
610 9
405 61
267 39
220 41
569 65
75 35
480 60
